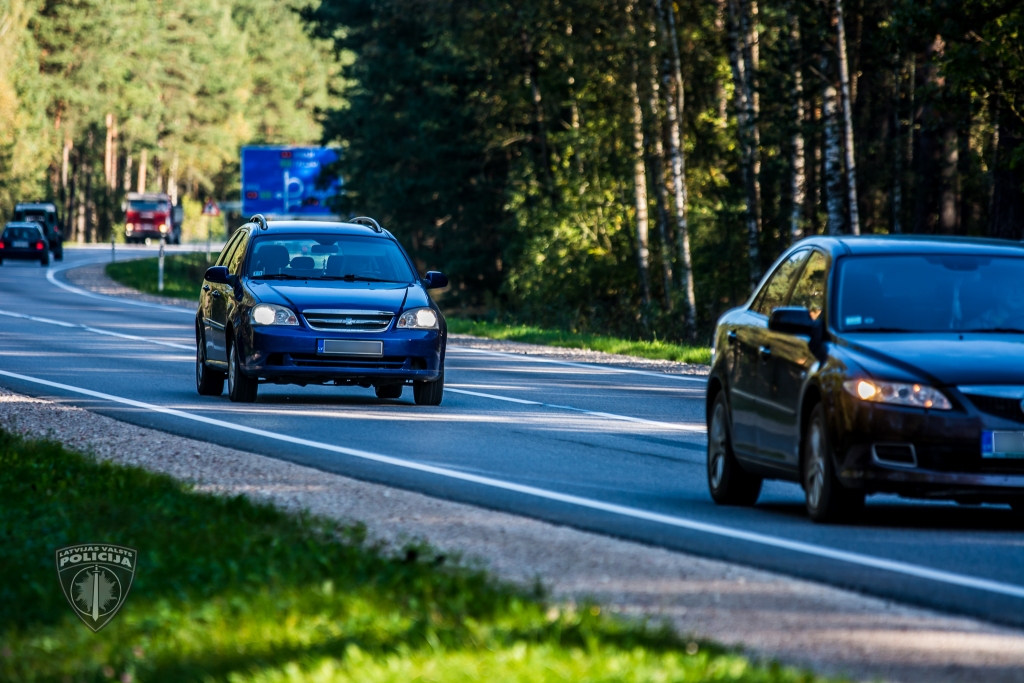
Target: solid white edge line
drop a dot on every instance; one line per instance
(595, 413)
(96, 330)
(585, 366)
(52, 271)
(858, 559)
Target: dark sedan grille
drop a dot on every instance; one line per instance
(337, 320)
(1007, 408)
(310, 360)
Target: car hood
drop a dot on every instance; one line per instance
(940, 358)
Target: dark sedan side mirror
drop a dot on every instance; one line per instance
(792, 320)
(435, 280)
(217, 275)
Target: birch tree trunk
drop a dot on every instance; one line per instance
(643, 253)
(798, 180)
(844, 80)
(658, 162)
(674, 99)
(833, 163)
(744, 103)
(142, 170)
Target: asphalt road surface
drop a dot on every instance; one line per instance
(604, 449)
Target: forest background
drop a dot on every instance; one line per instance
(628, 167)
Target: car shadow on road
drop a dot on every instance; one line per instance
(939, 515)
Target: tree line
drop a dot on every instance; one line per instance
(633, 166)
(102, 97)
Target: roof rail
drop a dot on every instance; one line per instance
(367, 221)
(259, 220)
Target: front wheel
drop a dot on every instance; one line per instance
(241, 389)
(728, 482)
(208, 382)
(826, 498)
(429, 393)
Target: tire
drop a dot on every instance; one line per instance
(209, 382)
(59, 255)
(429, 393)
(241, 389)
(728, 482)
(827, 500)
(44, 262)
(388, 390)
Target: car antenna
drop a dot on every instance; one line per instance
(366, 220)
(259, 220)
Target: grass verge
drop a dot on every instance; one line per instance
(535, 335)
(228, 590)
(183, 274)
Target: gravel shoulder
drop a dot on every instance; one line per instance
(768, 615)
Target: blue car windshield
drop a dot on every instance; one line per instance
(328, 257)
(930, 293)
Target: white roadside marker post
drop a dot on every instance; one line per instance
(160, 268)
(113, 254)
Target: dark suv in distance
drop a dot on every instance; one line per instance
(874, 364)
(45, 214)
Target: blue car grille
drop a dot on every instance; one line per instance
(343, 320)
(309, 360)
(1006, 408)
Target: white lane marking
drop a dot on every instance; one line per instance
(586, 366)
(96, 330)
(611, 416)
(50, 276)
(858, 559)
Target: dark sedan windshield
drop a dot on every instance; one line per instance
(329, 257)
(931, 293)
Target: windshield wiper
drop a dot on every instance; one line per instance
(880, 329)
(353, 278)
(996, 330)
(278, 276)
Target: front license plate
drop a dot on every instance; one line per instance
(345, 347)
(1006, 445)
(18, 244)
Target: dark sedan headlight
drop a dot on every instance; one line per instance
(418, 319)
(898, 394)
(272, 314)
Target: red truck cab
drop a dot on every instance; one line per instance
(150, 216)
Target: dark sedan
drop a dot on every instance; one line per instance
(292, 302)
(874, 364)
(24, 241)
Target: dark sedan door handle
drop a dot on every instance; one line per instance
(215, 293)
(206, 288)
(766, 352)
(731, 336)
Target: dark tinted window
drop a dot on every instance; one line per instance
(330, 257)
(930, 293)
(809, 291)
(228, 250)
(22, 234)
(776, 291)
(238, 254)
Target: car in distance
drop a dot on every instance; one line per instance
(296, 302)
(874, 364)
(44, 213)
(24, 240)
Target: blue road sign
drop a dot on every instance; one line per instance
(282, 181)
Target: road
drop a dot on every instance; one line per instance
(604, 449)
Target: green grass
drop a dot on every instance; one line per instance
(228, 590)
(596, 342)
(183, 274)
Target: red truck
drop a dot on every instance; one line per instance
(150, 216)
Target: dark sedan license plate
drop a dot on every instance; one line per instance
(345, 347)
(1004, 445)
(19, 244)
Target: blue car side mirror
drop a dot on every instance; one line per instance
(217, 275)
(435, 280)
(792, 320)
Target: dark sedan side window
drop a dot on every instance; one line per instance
(776, 291)
(228, 250)
(238, 256)
(810, 288)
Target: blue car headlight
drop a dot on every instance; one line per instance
(898, 393)
(272, 314)
(418, 319)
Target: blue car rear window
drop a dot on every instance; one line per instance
(328, 257)
(21, 234)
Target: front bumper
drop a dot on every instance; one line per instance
(288, 355)
(946, 453)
